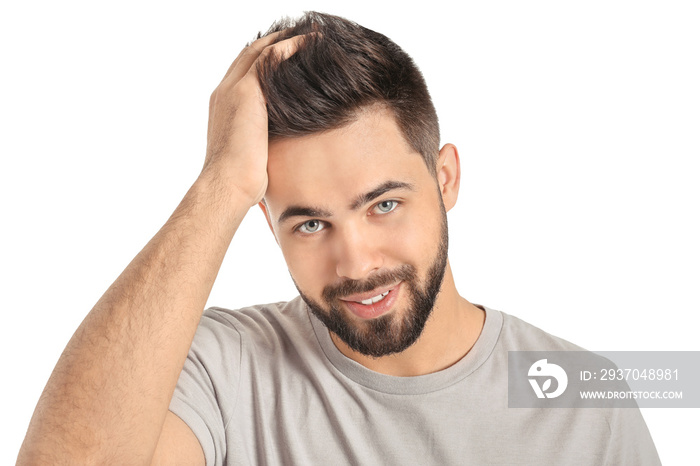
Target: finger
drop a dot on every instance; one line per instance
(282, 50)
(252, 50)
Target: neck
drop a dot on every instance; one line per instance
(451, 331)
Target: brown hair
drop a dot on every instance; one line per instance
(340, 71)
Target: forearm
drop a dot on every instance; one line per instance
(109, 393)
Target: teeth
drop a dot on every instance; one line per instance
(376, 299)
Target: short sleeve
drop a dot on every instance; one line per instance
(630, 440)
(207, 389)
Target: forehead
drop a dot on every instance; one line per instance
(334, 166)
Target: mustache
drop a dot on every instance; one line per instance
(349, 286)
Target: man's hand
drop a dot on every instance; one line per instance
(237, 133)
(107, 400)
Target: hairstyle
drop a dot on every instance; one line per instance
(339, 72)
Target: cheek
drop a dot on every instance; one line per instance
(308, 264)
(416, 238)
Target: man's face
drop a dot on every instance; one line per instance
(363, 229)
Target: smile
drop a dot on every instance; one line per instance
(375, 299)
(374, 303)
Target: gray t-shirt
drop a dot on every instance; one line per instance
(266, 385)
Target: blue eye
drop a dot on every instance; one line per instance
(385, 207)
(311, 226)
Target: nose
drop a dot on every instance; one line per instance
(357, 252)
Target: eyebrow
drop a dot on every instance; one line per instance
(359, 201)
(383, 188)
(301, 211)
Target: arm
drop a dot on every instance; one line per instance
(107, 399)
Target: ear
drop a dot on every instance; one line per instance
(448, 175)
(263, 207)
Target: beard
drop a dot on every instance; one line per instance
(396, 331)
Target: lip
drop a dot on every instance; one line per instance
(372, 311)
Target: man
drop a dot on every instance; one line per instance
(329, 128)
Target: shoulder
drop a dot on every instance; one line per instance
(259, 315)
(518, 335)
(261, 325)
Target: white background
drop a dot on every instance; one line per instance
(577, 125)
